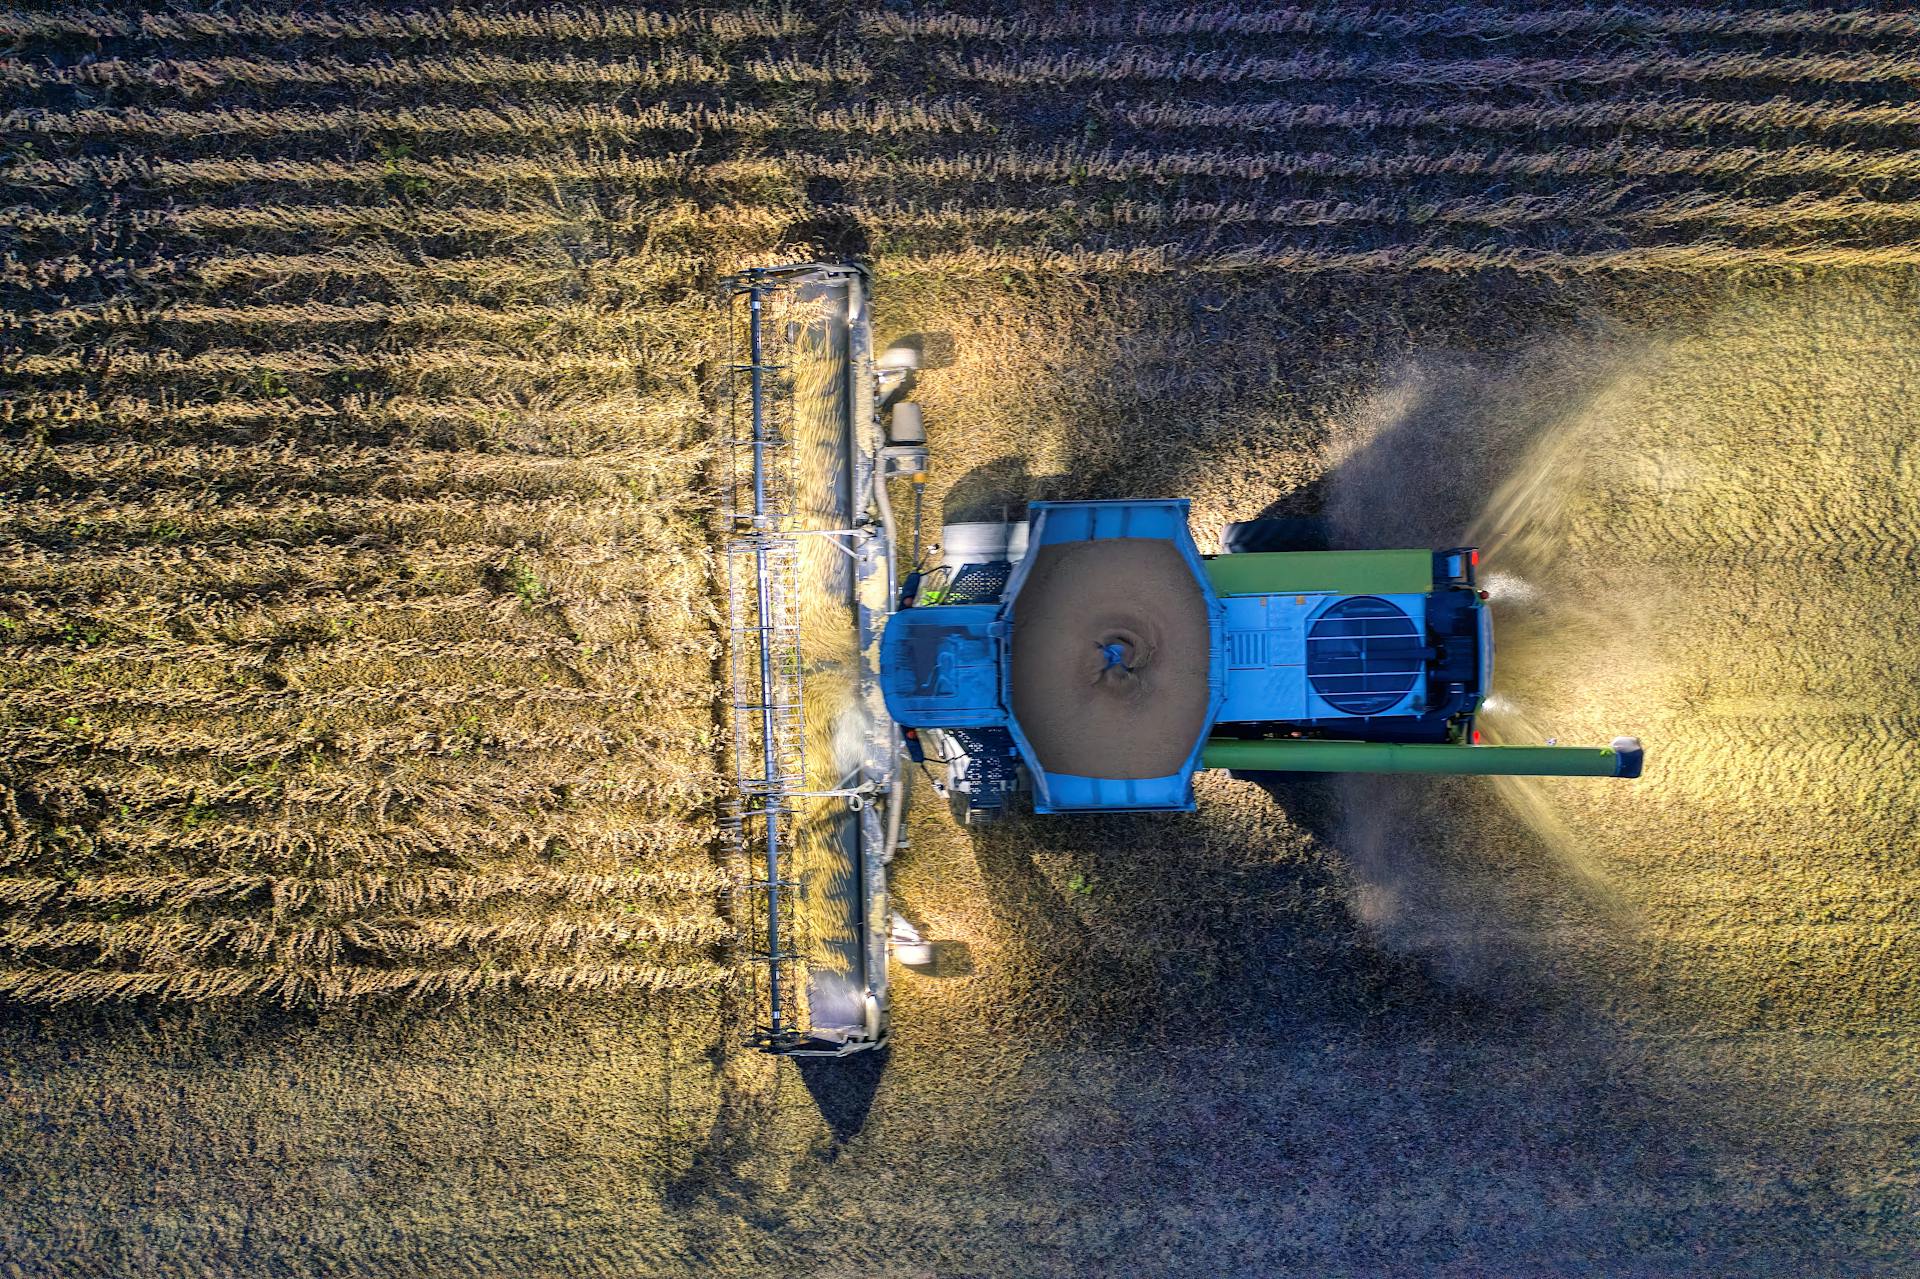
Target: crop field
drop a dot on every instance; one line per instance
(365, 901)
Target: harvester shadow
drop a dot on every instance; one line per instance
(830, 234)
(993, 491)
(933, 349)
(1157, 929)
(945, 957)
(1469, 909)
(843, 1089)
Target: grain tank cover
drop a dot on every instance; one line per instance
(1113, 655)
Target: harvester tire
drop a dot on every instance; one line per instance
(1276, 534)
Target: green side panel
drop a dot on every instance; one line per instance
(1310, 755)
(1309, 572)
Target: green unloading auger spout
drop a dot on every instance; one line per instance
(1319, 755)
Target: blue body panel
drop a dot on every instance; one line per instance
(1267, 674)
(941, 667)
(1163, 519)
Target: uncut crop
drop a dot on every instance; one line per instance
(360, 625)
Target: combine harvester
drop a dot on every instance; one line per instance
(1088, 656)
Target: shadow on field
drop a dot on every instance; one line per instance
(831, 234)
(994, 491)
(843, 1088)
(1417, 460)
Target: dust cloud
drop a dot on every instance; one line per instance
(1702, 538)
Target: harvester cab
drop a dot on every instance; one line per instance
(1087, 656)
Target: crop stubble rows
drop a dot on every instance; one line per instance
(354, 430)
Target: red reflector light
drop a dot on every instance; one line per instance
(1473, 557)
(1476, 737)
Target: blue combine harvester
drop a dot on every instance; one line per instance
(1094, 657)
(1088, 656)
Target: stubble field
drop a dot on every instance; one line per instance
(364, 903)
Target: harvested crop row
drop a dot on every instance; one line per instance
(551, 323)
(354, 22)
(448, 518)
(1144, 63)
(264, 468)
(594, 841)
(463, 788)
(318, 654)
(1656, 114)
(510, 120)
(322, 611)
(38, 747)
(620, 280)
(1113, 65)
(1058, 163)
(1160, 259)
(221, 940)
(601, 24)
(296, 986)
(359, 893)
(198, 75)
(1388, 22)
(523, 420)
(413, 695)
(1597, 204)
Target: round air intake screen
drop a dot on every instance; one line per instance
(1364, 655)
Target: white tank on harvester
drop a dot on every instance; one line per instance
(1088, 657)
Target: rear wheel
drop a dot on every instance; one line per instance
(1278, 534)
